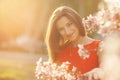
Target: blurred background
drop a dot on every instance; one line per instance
(23, 25)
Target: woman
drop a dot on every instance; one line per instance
(67, 40)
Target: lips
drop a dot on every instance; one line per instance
(69, 36)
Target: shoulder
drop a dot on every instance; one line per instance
(97, 41)
(94, 44)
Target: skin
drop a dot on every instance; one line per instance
(68, 30)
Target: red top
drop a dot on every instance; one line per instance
(83, 65)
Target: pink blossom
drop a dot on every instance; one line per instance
(51, 71)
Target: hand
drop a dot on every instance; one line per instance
(95, 74)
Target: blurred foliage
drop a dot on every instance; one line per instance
(16, 71)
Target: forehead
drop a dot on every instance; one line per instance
(62, 21)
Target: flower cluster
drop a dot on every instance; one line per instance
(51, 71)
(91, 25)
(105, 20)
(109, 21)
(82, 52)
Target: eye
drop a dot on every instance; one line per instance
(69, 24)
(60, 29)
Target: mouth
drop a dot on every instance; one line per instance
(70, 36)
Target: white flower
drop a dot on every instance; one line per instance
(74, 69)
(46, 70)
(82, 52)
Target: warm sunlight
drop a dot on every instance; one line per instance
(23, 29)
(18, 16)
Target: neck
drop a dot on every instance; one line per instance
(79, 40)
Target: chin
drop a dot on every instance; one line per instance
(72, 40)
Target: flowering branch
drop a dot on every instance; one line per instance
(46, 70)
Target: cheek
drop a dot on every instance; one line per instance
(62, 33)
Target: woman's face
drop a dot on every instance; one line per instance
(67, 29)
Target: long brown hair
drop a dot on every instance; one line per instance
(53, 38)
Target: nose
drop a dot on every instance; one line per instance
(67, 31)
